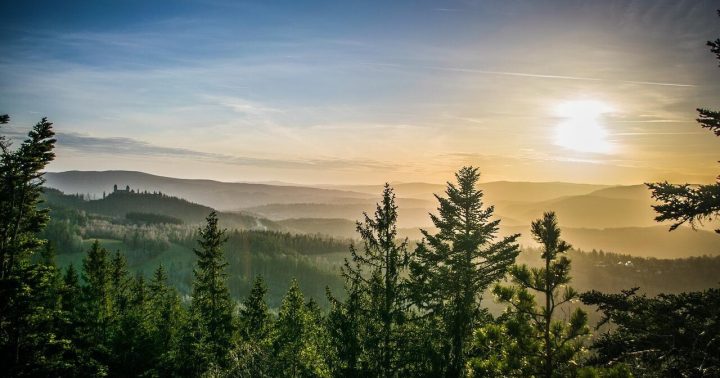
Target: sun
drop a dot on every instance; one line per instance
(581, 127)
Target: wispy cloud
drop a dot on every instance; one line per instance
(525, 74)
(119, 146)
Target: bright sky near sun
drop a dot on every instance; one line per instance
(366, 92)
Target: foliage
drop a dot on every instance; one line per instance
(28, 290)
(145, 218)
(210, 329)
(670, 335)
(550, 346)
(298, 345)
(687, 203)
(450, 270)
(376, 271)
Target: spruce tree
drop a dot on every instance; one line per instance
(120, 282)
(451, 269)
(25, 327)
(346, 329)
(686, 203)
(560, 339)
(377, 270)
(133, 354)
(297, 347)
(164, 319)
(211, 329)
(252, 357)
(95, 315)
(255, 317)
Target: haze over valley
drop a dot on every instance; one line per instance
(616, 219)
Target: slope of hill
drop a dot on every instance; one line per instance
(216, 194)
(494, 191)
(655, 241)
(407, 216)
(119, 204)
(334, 227)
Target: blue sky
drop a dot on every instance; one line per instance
(325, 92)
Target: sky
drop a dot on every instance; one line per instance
(340, 92)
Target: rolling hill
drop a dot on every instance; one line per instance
(611, 218)
(120, 204)
(216, 194)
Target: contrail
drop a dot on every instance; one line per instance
(527, 74)
(655, 83)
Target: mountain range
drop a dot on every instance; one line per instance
(603, 217)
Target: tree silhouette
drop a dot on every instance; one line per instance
(451, 269)
(687, 203)
(376, 270)
(560, 340)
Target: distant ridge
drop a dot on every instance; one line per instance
(216, 194)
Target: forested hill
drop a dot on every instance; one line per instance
(119, 204)
(219, 195)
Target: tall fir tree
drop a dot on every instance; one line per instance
(211, 329)
(255, 317)
(377, 270)
(24, 325)
(96, 311)
(253, 356)
(297, 347)
(560, 339)
(165, 314)
(451, 269)
(133, 354)
(346, 329)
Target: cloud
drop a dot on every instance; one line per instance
(116, 146)
(526, 74)
(244, 106)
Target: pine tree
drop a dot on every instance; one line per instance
(687, 203)
(24, 324)
(119, 284)
(560, 340)
(96, 310)
(255, 317)
(133, 354)
(668, 335)
(210, 331)
(164, 314)
(297, 349)
(252, 356)
(72, 327)
(451, 269)
(21, 182)
(346, 328)
(377, 271)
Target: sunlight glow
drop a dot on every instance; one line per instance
(581, 128)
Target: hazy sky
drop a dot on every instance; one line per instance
(365, 92)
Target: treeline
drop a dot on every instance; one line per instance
(148, 208)
(151, 218)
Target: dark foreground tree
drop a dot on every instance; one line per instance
(451, 269)
(551, 345)
(671, 335)
(298, 340)
(28, 341)
(376, 270)
(252, 356)
(208, 335)
(685, 203)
